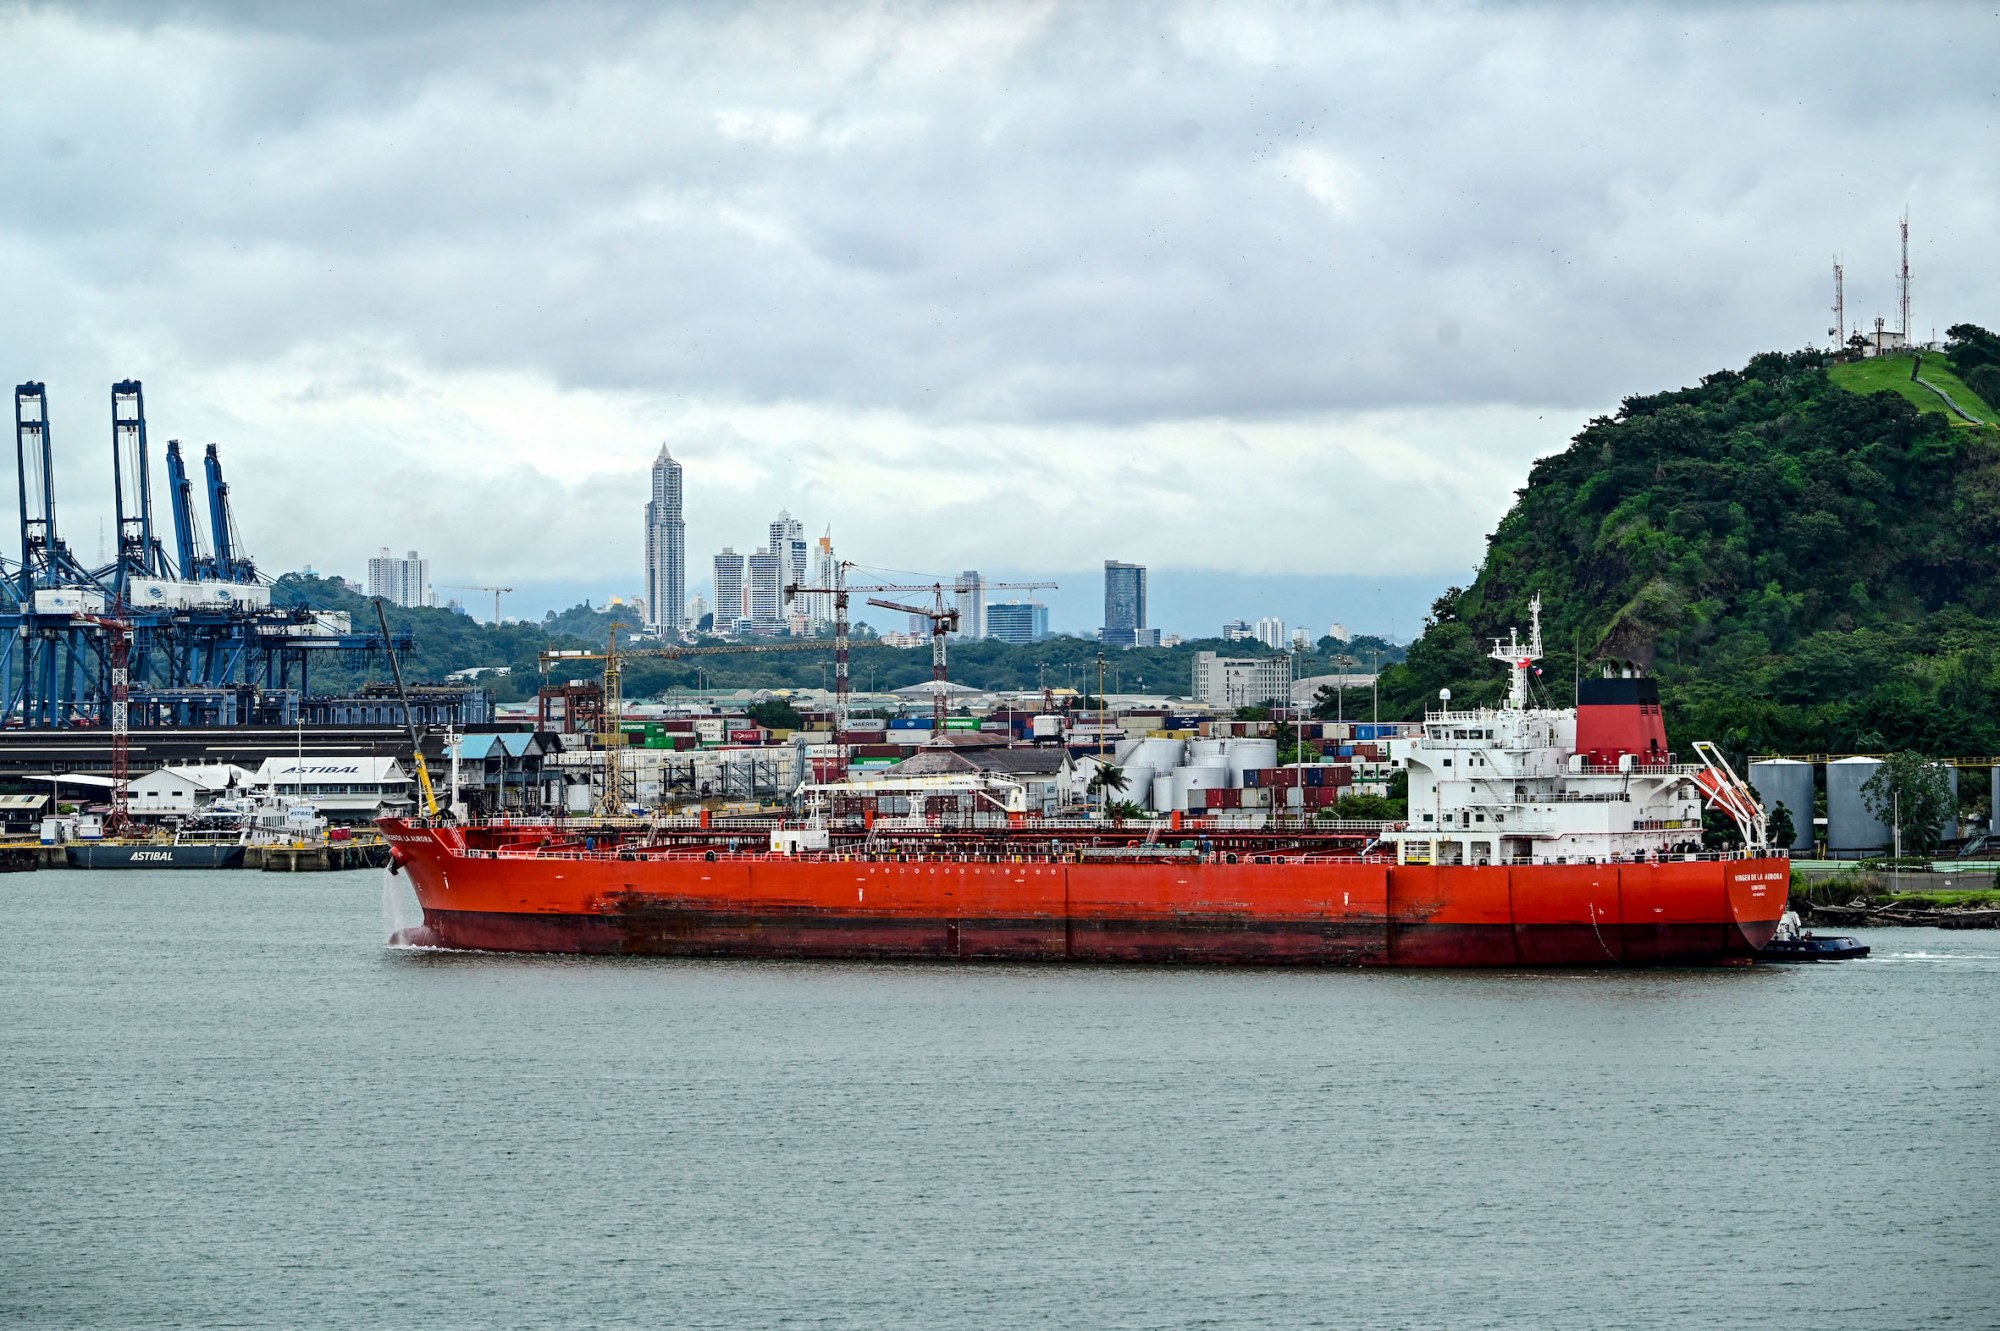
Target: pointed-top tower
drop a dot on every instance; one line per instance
(666, 549)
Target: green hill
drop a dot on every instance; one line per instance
(1806, 568)
(1893, 374)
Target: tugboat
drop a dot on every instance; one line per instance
(1791, 943)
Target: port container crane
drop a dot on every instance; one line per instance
(140, 553)
(195, 562)
(231, 564)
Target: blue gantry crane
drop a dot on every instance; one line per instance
(205, 644)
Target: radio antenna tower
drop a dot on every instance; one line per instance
(1903, 277)
(1839, 329)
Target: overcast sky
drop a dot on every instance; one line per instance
(1233, 289)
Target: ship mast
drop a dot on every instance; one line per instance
(1520, 656)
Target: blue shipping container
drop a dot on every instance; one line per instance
(909, 723)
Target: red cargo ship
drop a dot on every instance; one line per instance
(1536, 836)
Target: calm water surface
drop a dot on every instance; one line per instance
(223, 1102)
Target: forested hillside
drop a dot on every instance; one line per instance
(1806, 569)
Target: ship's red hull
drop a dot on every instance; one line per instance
(1288, 911)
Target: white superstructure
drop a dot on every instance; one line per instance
(1513, 784)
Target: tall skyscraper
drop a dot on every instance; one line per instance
(826, 573)
(971, 604)
(728, 589)
(1017, 621)
(788, 543)
(766, 572)
(1124, 603)
(401, 581)
(1271, 632)
(666, 549)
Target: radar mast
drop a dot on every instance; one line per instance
(1520, 656)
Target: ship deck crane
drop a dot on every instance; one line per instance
(498, 592)
(611, 737)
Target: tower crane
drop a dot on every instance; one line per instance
(497, 593)
(839, 591)
(611, 737)
(942, 621)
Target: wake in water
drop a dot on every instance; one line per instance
(402, 917)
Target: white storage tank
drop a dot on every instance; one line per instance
(1191, 780)
(1162, 755)
(1851, 827)
(1138, 785)
(1789, 782)
(1207, 748)
(1249, 755)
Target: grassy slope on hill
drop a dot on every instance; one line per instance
(1892, 374)
(1805, 568)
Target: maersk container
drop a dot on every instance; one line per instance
(1851, 827)
(1789, 782)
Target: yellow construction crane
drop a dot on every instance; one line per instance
(457, 587)
(611, 738)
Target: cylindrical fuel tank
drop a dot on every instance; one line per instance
(1850, 825)
(1162, 755)
(1190, 781)
(1138, 785)
(1789, 782)
(1249, 755)
(1206, 748)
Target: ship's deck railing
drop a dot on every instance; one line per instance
(1212, 821)
(1091, 855)
(1679, 857)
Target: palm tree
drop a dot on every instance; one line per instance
(1108, 779)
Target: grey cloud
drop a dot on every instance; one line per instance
(1012, 228)
(790, 204)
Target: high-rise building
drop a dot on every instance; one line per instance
(1250, 681)
(1124, 603)
(1271, 632)
(1017, 621)
(766, 572)
(729, 589)
(1238, 630)
(971, 590)
(788, 543)
(666, 548)
(1337, 631)
(697, 610)
(826, 573)
(401, 581)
